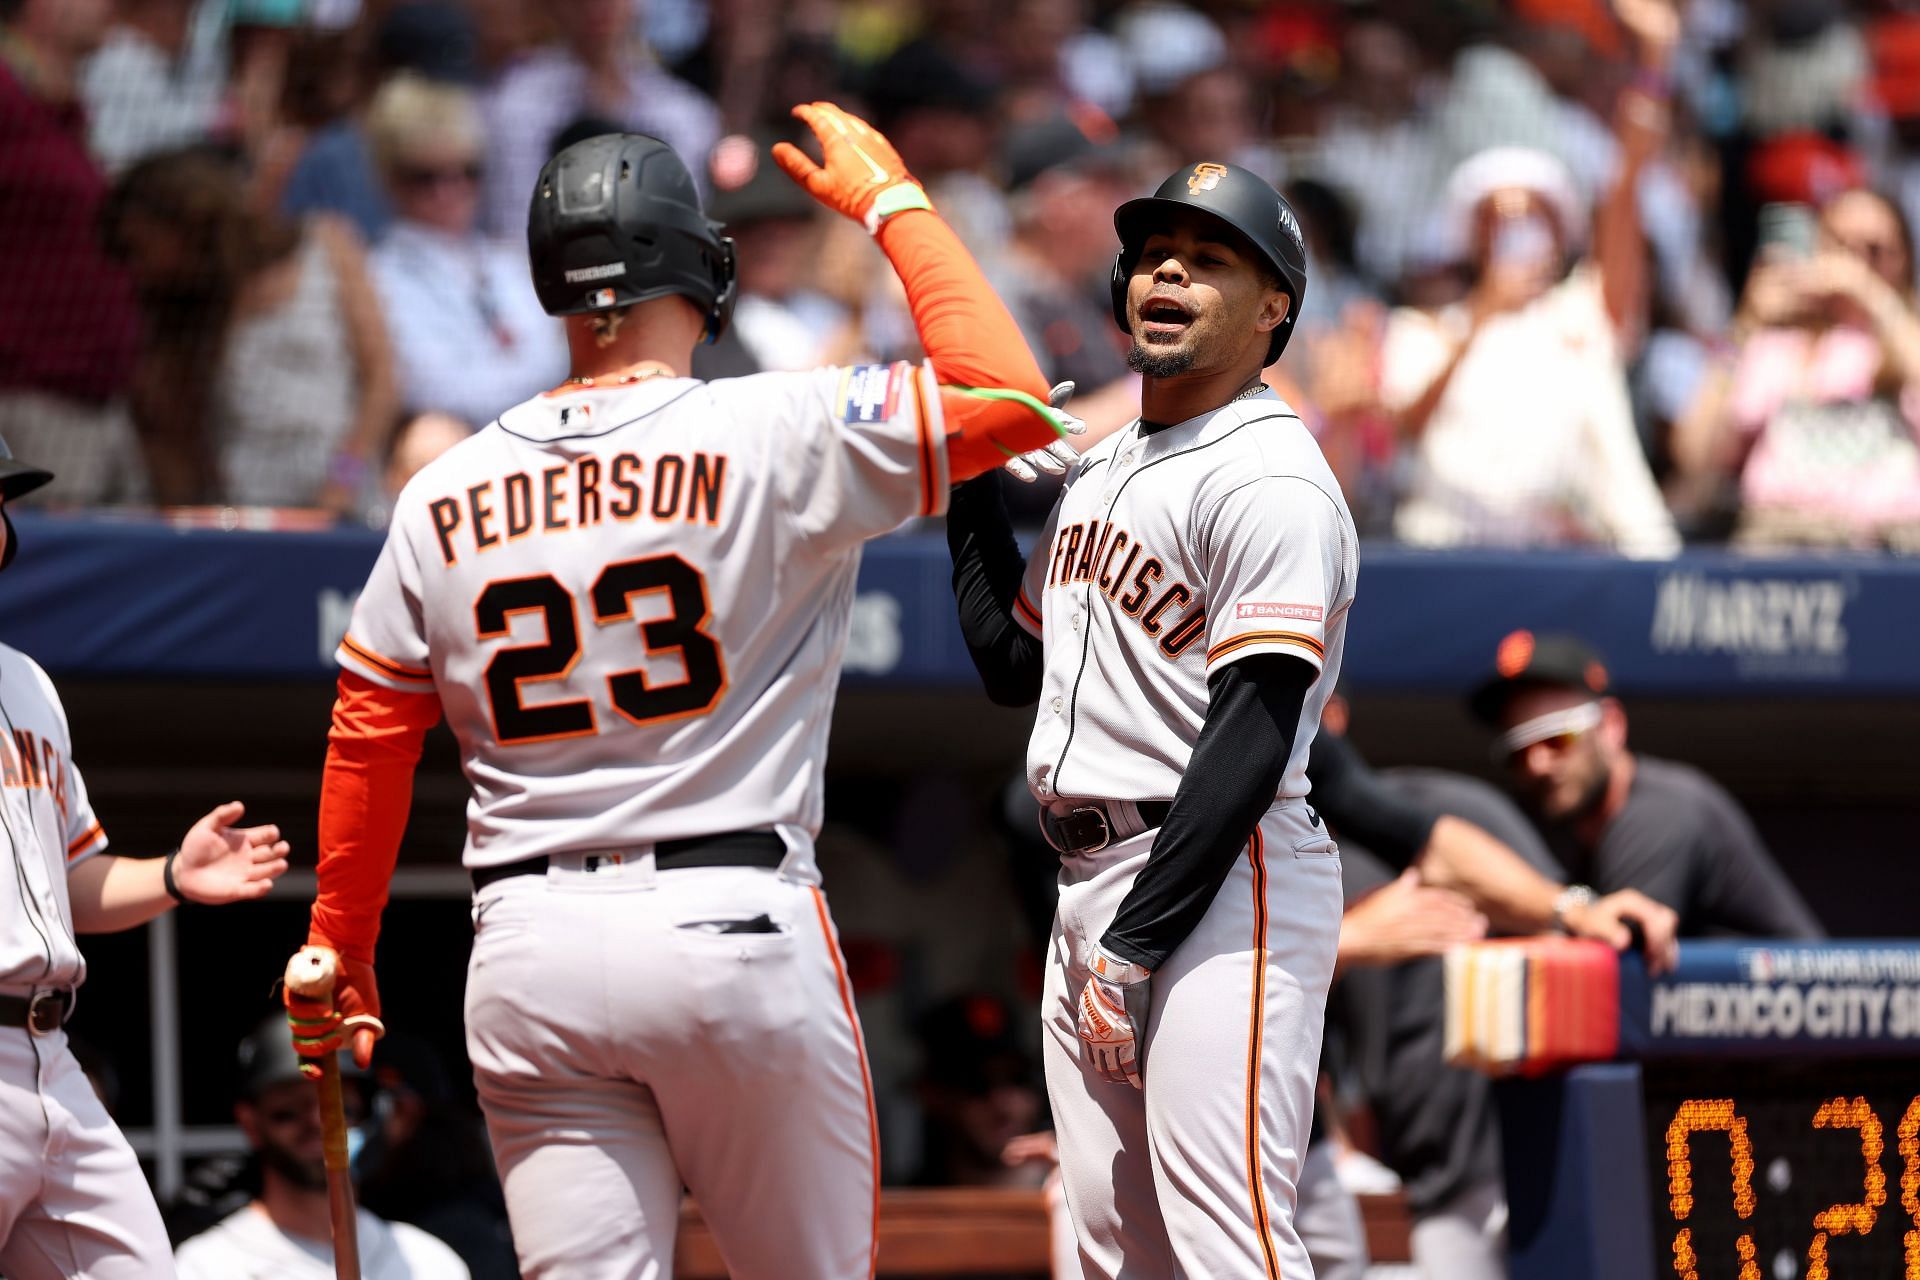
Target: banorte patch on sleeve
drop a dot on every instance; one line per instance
(871, 392)
(1274, 609)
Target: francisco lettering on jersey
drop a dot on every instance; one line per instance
(34, 763)
(1130, 575)
(580, 494)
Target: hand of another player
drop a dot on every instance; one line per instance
(1108, 1027)
(1606, 919)
(219, 862)
(1058, 456)
(858, 167)
(1407, 920)
(321, 1030)
(1031, 1148)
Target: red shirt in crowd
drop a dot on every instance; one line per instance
(67, 319)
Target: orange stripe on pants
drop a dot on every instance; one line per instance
(866, 1076)
(1256, 1183)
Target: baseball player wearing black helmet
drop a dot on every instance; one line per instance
(616, 220)
(1180, 624)
(629, 596)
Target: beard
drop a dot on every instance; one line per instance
(308, 1175)
(1152, 363)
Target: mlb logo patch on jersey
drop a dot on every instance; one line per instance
(870, 392)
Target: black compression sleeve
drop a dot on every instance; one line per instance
(1363, 806)
(1239, 760)
(987, 570)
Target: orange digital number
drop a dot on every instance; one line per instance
(1856, 1218)
(1709, 1115)
(1909, 1137)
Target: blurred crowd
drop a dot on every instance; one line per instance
(1622, 273)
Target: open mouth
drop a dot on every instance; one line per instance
(1163, 319)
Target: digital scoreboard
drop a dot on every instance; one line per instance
(1773, 1171)
(1762, 1123)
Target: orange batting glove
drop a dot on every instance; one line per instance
(321, 1030)
(862, 175)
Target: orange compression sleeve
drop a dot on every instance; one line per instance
(372, 749)
(971, 342)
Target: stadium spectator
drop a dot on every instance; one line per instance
(335, 172)
(1620, 820)
(1514, 402)
(782, 320)
(420, 440)
(978, 1091)
(1818, 411)
(285, 1232)
(1376, 146)
(156, 81)
(938, 111)
(270, 378)
(469, 336)
(599, 66)
(1066, 174)
(68, 325)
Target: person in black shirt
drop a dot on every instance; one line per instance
(1619, 820)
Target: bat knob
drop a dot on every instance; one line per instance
(312, 972)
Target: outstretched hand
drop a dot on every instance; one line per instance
(219, 862)
(860, 174)
(1606, 919)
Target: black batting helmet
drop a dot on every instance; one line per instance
(616, 220)
(1242, 200)
(17, 479)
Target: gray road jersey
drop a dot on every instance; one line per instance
(49, 828)
(633, 601)
(1166, 556)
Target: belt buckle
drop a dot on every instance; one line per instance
(1106, 828)
(45, 1013)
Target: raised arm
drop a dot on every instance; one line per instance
(993, 396)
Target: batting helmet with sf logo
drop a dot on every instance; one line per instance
(1246, 204)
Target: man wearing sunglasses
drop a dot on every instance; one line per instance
(1618, 820)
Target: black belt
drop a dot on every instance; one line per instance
(41, 1013)
(1087, 829)
(728, 849)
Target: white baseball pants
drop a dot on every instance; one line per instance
(73, 1202)
(623, 1045)
(1193, 1176)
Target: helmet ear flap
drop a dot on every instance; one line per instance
(1117, 286)
(725, 290)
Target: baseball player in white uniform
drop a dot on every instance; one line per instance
(629, 597)
(1180, 624)
(73, 1201)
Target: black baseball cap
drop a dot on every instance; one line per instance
(1081, 140)
(267, 1058)
(18, 479)
(1524, 660)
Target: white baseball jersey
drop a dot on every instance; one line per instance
(633, 600)
(246, 1245)
(1167, 555)
(48, 826)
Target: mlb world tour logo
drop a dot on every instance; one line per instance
(1796, 624)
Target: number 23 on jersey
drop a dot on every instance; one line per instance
(611, 599)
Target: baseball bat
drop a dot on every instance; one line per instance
(311, 975)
